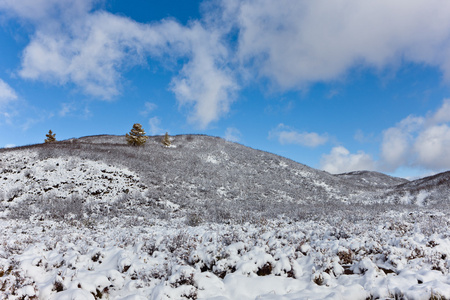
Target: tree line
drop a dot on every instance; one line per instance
(136, 137)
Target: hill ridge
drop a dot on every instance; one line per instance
(198, 171)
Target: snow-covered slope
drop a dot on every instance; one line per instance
(94, 218)
(28, 180)
(197, 168)
(24, 175)
(376, 179)
(431, 190)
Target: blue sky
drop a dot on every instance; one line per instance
(336, 85)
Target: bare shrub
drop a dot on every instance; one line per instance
(49, 207)
(194, 219)
(61, 208)
(318, 279)
(345, 257)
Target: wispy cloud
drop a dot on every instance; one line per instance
(66, 108)
(155, 128)
(361, 137)
(7, 93)
(30, 122)
(148, 108)
(74, 109)
(233, 134)
(5, 117)
(284, 106)
(287, 135)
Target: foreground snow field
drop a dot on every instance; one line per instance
(154, 259)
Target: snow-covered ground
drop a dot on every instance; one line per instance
(77, 228)
(155, 259)
(25, 175)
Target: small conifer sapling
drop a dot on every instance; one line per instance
(166, 140)
(137, 136)
(50, 137)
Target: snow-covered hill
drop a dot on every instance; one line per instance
(368, 178)
(196, 171)
(94, 218)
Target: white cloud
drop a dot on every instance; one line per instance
(155, 124)
(340, 160)
(442, 115)
(395, 148)
(7, 94)
(232, 134)
(91, 52)
(66, 108)
(287, 135)
(32, 121)
(74, 109)
(290, 43)
(205, 82)
(362, 137)
(148, 108)
(432, 147)
(294, 43)
(418, 142)
(10, 146)
(76, 43)
(44, 12)
(5, 117)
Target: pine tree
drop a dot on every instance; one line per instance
(166, 141)
(50, 137)
(136, 137)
